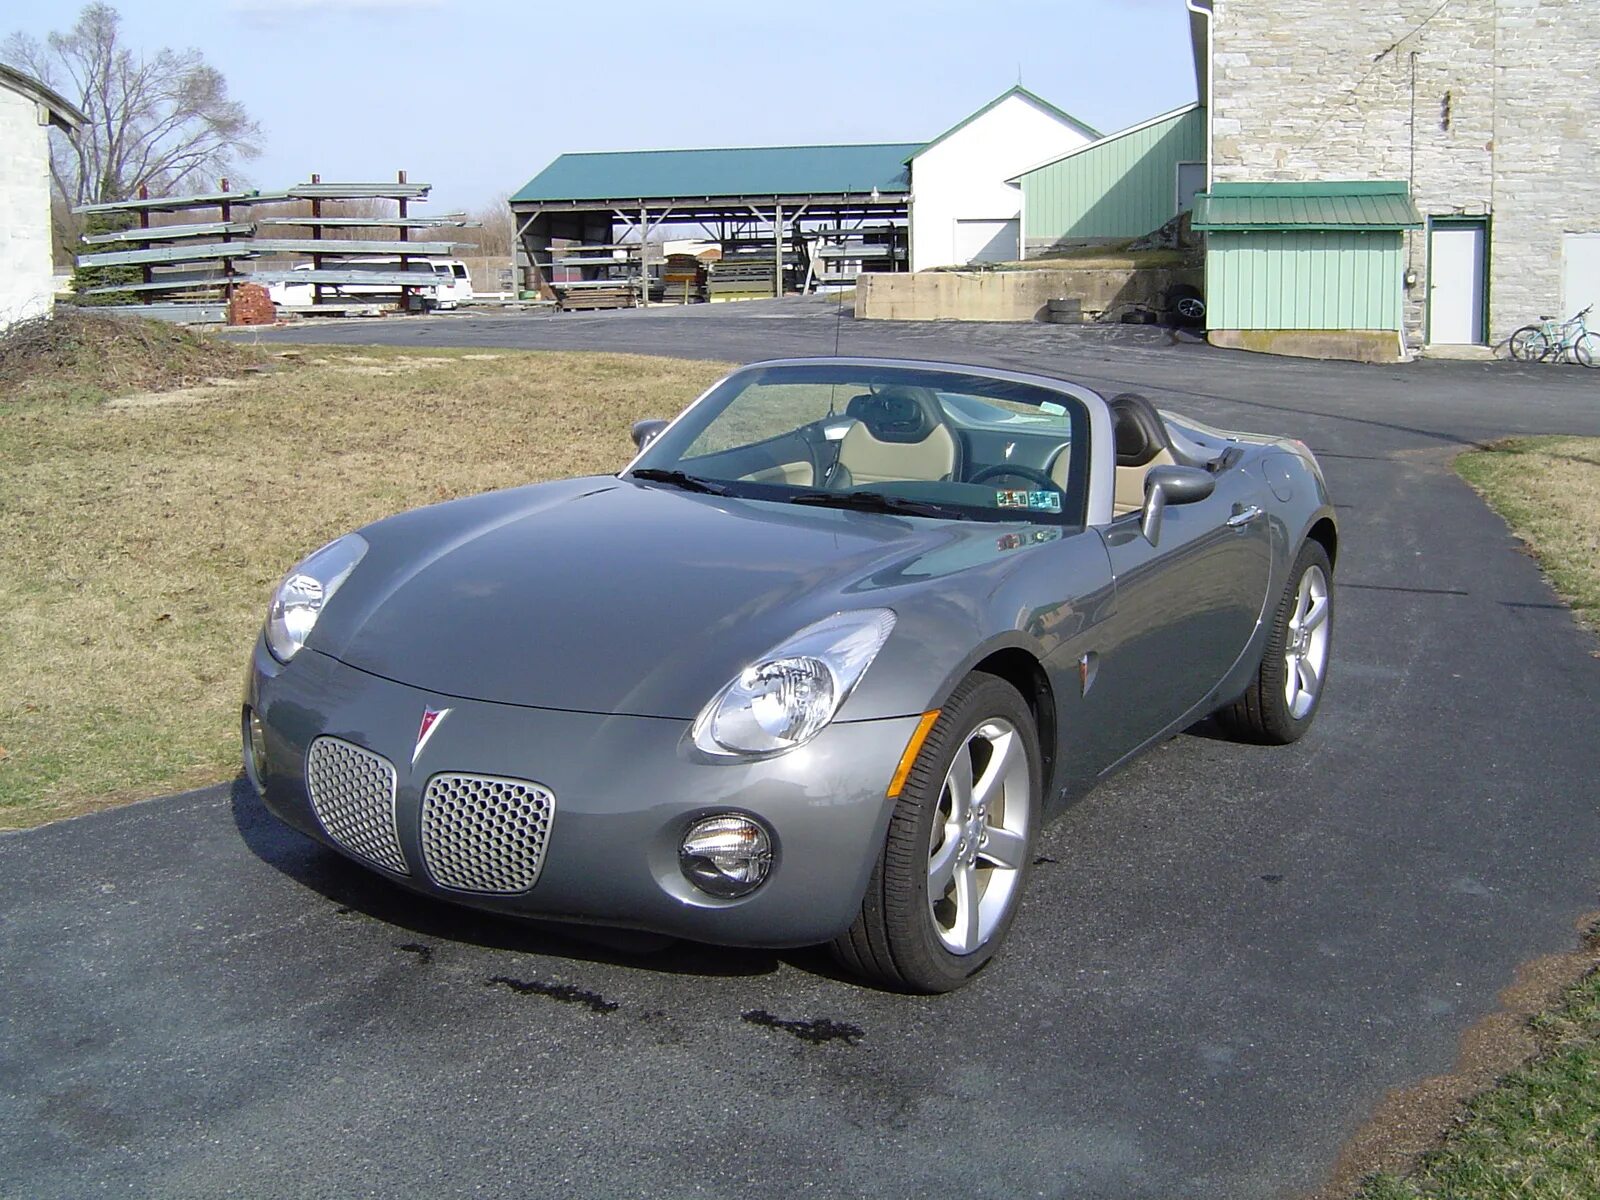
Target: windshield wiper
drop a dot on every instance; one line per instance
(875, 502)
(689, 483)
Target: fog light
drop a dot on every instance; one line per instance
(727, 855)
(255, 746)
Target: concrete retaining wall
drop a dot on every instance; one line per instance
(1011, 295)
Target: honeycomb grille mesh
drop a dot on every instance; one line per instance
(352, 793)
(481, 833)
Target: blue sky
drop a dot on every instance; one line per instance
(473, 96)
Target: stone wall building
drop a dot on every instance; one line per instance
(27, 111)
(1489, 110)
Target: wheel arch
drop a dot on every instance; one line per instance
(1023, 671)
(1326, 534)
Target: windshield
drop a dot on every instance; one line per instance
(908, 440)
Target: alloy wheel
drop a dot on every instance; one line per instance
(1305, 650)
(979, 841)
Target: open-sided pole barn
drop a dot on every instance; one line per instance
(603, 199)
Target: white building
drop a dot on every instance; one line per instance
(962, 208)
(27, 110)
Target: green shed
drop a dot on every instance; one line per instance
(1326, 256)
(1124, 185)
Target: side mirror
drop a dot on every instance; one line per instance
(646, 431)
(1171, 485)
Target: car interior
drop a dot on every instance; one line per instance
(972, 450)
(898, 434)
(903, 434)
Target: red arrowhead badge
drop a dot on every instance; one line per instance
(431, 719)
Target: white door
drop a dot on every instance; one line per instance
(1455, 284)
(988, 241)
(1580, 280)
(1191, 179)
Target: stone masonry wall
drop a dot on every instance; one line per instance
(1547, 151)
(1484, 106)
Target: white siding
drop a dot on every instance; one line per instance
(25, 268)
(1580, 274)
(963, 178)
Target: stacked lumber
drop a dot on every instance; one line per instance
(742, 278)
(683, 280)
(603, 293)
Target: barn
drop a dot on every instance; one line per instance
(789, 217)
(965, 207)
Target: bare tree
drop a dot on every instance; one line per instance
(499, 227)
(492, 231)
(164, 121)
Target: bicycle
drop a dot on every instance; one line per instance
(1566, 341)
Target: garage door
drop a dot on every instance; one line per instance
(1581, 273)
(988, 241)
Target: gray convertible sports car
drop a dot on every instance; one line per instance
(812, 668)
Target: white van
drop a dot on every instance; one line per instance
(442, 282)
(455, 281)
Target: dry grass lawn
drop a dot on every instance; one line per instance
(139, 536)
(1548, 490)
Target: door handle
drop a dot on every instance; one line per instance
(1243, 517)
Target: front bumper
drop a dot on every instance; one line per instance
(626, 789)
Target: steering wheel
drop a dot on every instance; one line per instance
(1031, 474)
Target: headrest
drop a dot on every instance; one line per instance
(893, 415)
(1139, 430)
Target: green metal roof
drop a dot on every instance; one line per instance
(618, 175)
(1037, 101)
(1349, 205)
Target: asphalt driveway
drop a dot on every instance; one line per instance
(1228, 954)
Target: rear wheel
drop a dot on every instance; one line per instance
(1528, 344)
(1282, 700)
(960, 843)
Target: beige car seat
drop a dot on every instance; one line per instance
(897, 435)
(1142, 442)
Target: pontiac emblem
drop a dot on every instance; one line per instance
(431, 719)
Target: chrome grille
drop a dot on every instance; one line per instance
(481, 833)
(352, 793)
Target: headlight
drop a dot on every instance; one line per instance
(299, 599)
(789, 695)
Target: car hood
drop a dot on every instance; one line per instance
(610, 596)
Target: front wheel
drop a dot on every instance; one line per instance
(960, 843)
(1583, 350)
(1283, 697)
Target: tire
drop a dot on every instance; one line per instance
(1187, 304)
(1281, 702)
(1583, 350)
(902, 939)
(1528, 344)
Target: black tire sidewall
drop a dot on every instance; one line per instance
(924, 961)
(1279, 722)
(1521, 338)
